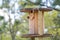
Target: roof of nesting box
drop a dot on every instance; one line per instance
(35, 9)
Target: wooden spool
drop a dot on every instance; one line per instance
(36, 22)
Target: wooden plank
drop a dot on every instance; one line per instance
(36, 23)
(35, 35)
(41, 23)
(31, 23)
(35, 9)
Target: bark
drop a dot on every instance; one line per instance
(13, 36)
(0, 36)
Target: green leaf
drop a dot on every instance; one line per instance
(1, 17)
(56, 2)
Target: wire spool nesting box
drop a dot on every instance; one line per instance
(36, 22)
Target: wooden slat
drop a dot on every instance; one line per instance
(35, 35)
(35, 9)
(41, 23)
(31, 23)
(36, 24)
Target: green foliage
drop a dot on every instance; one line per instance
(56, 20)
(51, 23)
(1, 17)
(5, 4)
(55, 29)
(56, 2)
(29, 3)
(49, 18)
(17, 22)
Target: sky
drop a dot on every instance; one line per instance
(0, 2)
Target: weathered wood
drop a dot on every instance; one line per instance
(35, 9)
(41, 22)
(33, 23)
(35, 35)
(36, 22)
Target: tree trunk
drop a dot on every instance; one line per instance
(13, 36)
(0, 36)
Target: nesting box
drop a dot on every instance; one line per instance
(36, 20)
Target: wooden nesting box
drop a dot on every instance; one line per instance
(36, 20)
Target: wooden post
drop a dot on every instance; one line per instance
(32, 38)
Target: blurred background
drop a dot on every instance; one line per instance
(14, 23)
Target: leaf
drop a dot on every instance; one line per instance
(1, 17)
(56, 2)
